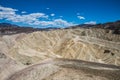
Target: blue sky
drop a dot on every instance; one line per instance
(58, 13)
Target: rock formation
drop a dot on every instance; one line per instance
(22, 53)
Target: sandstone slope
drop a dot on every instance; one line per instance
(21, 53)
(86, 44)
(64, 69)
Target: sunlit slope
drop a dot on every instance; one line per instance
(96, 45)
(65, 69)
(8, 66)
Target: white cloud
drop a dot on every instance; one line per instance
(62, 22)
(23, 12)
(7, 9)
(81, 17)
(28, 18)
(6, 12)
(54, 23)
(91, 22)
(33, 19)
(52, 14)
(10, 14)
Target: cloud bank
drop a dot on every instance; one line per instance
(91, 22)
(52, 14)
(32, 19)
(81, 17)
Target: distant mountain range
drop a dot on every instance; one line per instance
(115, 26)
(7, 28)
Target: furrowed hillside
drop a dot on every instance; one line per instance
(24, 48)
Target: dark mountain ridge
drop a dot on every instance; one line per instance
(7, 28)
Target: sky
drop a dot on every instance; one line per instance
(58, 13)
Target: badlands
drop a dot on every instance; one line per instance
(82, 52)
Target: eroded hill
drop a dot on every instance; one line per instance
(65, 69)
(86, 44)
(93, 44)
